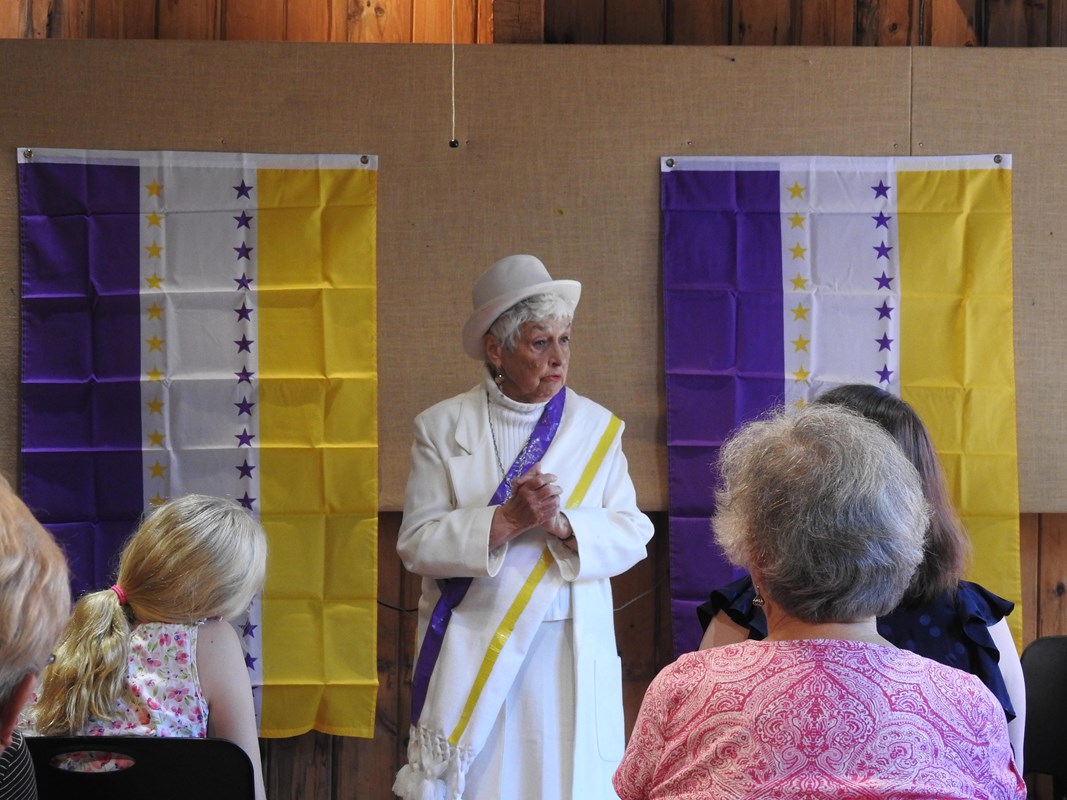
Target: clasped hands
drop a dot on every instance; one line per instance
(534, 502)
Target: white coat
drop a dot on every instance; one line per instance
(445, 533)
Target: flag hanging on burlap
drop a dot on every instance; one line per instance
(784, 277)
(205, 322)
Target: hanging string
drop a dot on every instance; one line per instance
(453, 142)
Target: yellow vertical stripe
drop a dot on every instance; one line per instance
(957, 359)
(316, 336)
(522, 599)
(595, 460)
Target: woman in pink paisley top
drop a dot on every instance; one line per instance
(153, 654)
(828, 516)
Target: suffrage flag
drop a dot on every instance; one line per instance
(205, 322)
(784, 277)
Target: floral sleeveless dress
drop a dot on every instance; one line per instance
(165, 696)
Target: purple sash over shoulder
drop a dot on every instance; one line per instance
(453, 590)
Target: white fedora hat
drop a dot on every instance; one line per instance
(503, 285)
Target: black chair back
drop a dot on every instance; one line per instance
(151, 768)
(1045, 671)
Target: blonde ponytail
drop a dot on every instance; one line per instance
(89, 674)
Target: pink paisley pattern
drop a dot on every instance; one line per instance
(165, 697)
(817, 720)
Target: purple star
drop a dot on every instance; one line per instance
(244, 344)
(881, 221)
(884, 281)
(244, 407)
(248, 630)
(244, 221)
(881, 190)
(243, 251)
(249, 661)
(884, 310)
(884, 342)
(244, 312)
(244, 376)
(245, 470)
(883, 374)
(244, 438)
(246, 501)
(243, 282)
(243, 190)
(883, 250)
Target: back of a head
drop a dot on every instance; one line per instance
(194, 557)
(828, 509)
(947, 544)
(34, 592)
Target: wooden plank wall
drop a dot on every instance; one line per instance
(320, 767)
(942, 23)
(359, 21)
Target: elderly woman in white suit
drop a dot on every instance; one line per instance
(518, 511)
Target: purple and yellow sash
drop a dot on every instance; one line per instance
(453, 590)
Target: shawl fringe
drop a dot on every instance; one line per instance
(436, 768)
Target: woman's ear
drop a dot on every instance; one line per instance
(492, 349)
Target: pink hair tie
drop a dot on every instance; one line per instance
(121, 594)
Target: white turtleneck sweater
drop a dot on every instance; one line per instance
(511, 423)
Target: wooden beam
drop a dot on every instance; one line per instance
(515, 21)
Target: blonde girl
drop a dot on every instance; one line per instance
(153, 654)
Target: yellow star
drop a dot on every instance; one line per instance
(801, 375)
(796, 191)
(154, 281)
(155, 343)
(158, 470)
(798, 251)
(155, 406)
(796, 221)
(157, 500)
(155, 374)
(154, 312)
(154, 219)
(799, 312)
(153, 250)
(801, 403)
(799, 283)
(155, 438)
(800, 344)
(155, 189)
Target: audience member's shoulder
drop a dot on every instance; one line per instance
(973, 599)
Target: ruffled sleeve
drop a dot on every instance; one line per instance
(979, 608)
(735, 600)
(954, 630)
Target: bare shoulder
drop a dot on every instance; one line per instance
(219, 656)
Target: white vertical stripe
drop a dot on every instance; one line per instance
(841, 276)
(199, 245)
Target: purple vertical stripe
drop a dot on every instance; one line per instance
(81, 357)
(722, 285)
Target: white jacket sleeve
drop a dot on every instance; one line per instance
(438, 540)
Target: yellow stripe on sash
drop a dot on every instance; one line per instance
(595, 460)
(518, 605)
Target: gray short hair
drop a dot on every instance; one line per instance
(827, 507)
(34, 593)
(536, 308)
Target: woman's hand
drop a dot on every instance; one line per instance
(560, 527)
(534, 503)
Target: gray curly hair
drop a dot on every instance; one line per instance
(825, 505)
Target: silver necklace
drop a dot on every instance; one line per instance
(523, 454)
